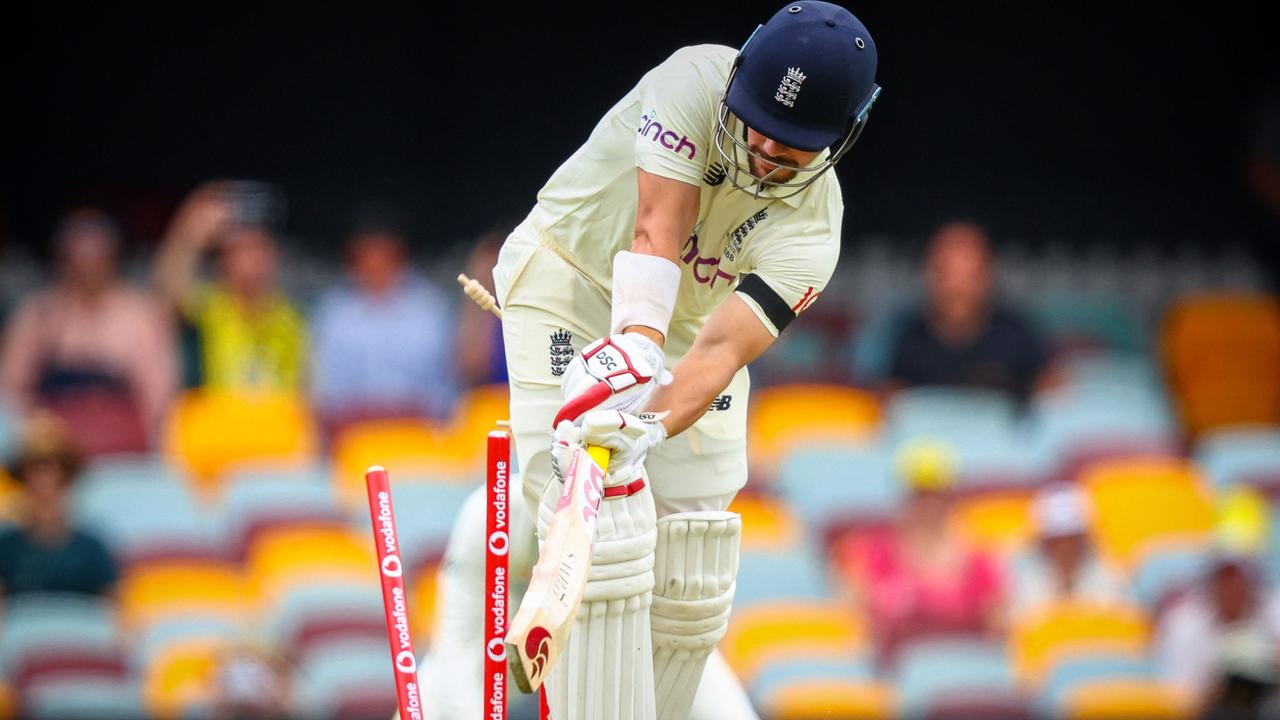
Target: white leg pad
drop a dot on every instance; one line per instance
(697, 562)
(605, 672)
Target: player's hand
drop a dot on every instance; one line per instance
(628, 437)
(630, 364)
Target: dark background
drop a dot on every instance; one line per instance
(1087, 123)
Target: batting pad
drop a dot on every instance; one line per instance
(697, 561)
(605, 670)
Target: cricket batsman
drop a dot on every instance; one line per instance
(696, 222)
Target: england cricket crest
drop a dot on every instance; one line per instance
(562, 351)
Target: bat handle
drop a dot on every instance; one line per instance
(479, 295)
(600, 455)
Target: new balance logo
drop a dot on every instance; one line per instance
(722, 402)
(715, 174)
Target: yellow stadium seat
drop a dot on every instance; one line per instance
(766, 523)
(210, 432)
(285, 557)
(842, 699)
(478, 412)
(1222, 353)
(423, 597)
(997, 521)
(152, 592)
(1140, 506)
(181, 679)
(10, 493)
(789, 416)
(1057, 632)
(1127, 700)
(791, 629)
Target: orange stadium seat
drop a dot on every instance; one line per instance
(789, 416)
(181, 681)
(767, 523)
(998, 521)
(407, 449)
(1222, 354)
(794, 628)
(423, 601)
(10, 491)
(826, 698)
(211, 432)
(1141, 506)
(1055, 633)
(477, 413)
(285, 557)
(1127, 700)
(154, 592)
(7, 709)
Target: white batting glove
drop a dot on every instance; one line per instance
(629, 364)
(628, 437)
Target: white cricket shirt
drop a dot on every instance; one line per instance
(778, 254)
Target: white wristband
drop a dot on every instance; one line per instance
(644, 291)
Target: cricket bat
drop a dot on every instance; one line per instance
(541, 626)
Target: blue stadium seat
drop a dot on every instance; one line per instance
(822, 483)
(1272, 560)
(425, 512)
(43, 624)
(1110, 370)
(148, 643)
(777, 673)
(940, 411)
(355, 606)
(83, 698)
(1075, 319)
(334, 675)
(254, 499)
(140, 507)
(930, 670)
(1162, 572)
(10, 431)
(1069, 674)
(780, 575)
(1240, 455)
(1063, 423)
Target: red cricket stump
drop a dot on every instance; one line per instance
(394, 599)
(497, 578)
(496, 566)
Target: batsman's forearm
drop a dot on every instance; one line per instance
(695, 384)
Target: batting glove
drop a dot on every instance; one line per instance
(628, 437)
(618, 372)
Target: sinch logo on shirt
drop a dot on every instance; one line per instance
(652, 129)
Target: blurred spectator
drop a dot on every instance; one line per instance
(46, 553)
(481, 357)
(91, 348)
(1064, 566)
(252, 682)
(382, 336)
(922, 578)
(250, 336)
(1222, 640)
(962, 334)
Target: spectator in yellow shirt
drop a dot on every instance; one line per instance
(250, 336)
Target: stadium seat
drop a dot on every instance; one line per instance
(477, 412)
(936, 411)
(788, 417)
(1141, 506)
(1076, 322)
(345, 680)
(1222, 354)
(10, 431)
(998, 521)
(310, 615)
(153, 641)
(765, 576)
(8, 703)
(143, 510)
(1049, 636)
(819, 699)
(424, 587)
(156, 592)
(780, 671)
(791, 630)
(1126, 700)
(256, 500)
(210, 433)
(38, 629)
(766, 522)
(1084, 373)
(83, 697)
(425, 513)
(10, 497)
(1069, 675)
(181, 680)
(285, 558)
(926, 671)
(1070, 425)
(1241, 455)
(823, 484)
(406, 448)
(1165, 571)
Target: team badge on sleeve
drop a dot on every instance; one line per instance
(562, 351)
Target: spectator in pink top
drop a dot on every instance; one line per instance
(91, 348)
(921, 578)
